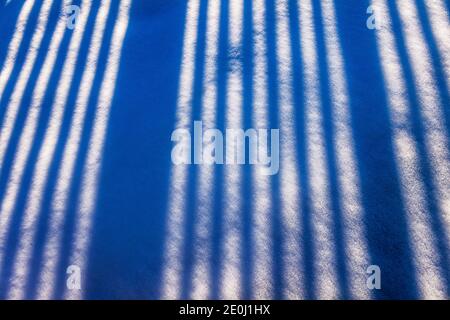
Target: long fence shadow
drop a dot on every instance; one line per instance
(57, 105)
(9, 27)
(133, 196)
(419, 127)
(384, 221)
(17, 91)
(332, 167)
(19, 50)
(80, 162)
(437, 60)
(384, 211)
(46, 207)
(43, 121)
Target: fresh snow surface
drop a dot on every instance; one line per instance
(92, 206)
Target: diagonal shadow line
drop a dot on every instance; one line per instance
(384, 217)
(329, 138)
(447, 4)
(65, 172)
(26, 73)
(12, 236)
(11, 17)
(20, 59)
(8, 28)
(418, 129)
(88, 206)
(139, 270)
(43, 122)
(23, 108)
(425, 255)
(45, 210)
(441, 79)
(196, 104)
(75, 189)
(42, 156)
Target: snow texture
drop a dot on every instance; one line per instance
(359, 89)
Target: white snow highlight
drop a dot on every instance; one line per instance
(426, 258)
(292, 262)
(92, 167)
(47, 276)
(28, 227)
(15, 44)
(26, 139)
(14, 103)
(262, 282)
(201, 278)
(172, 266)
(355, 246)
(322, 224)
(230, 278)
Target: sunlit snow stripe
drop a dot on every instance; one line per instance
(293, 276)
(202, 248)
(355, 244)
(26, 139)
(14, 45)
(13, 104)
(422, 242)
(92, 167)
(321, 218)
(440, 25)
(172, 266)
(47, 150)
(232, 220)
(262, 282)
(431, 108)
(28, 228)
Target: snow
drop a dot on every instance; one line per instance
(86, 177)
